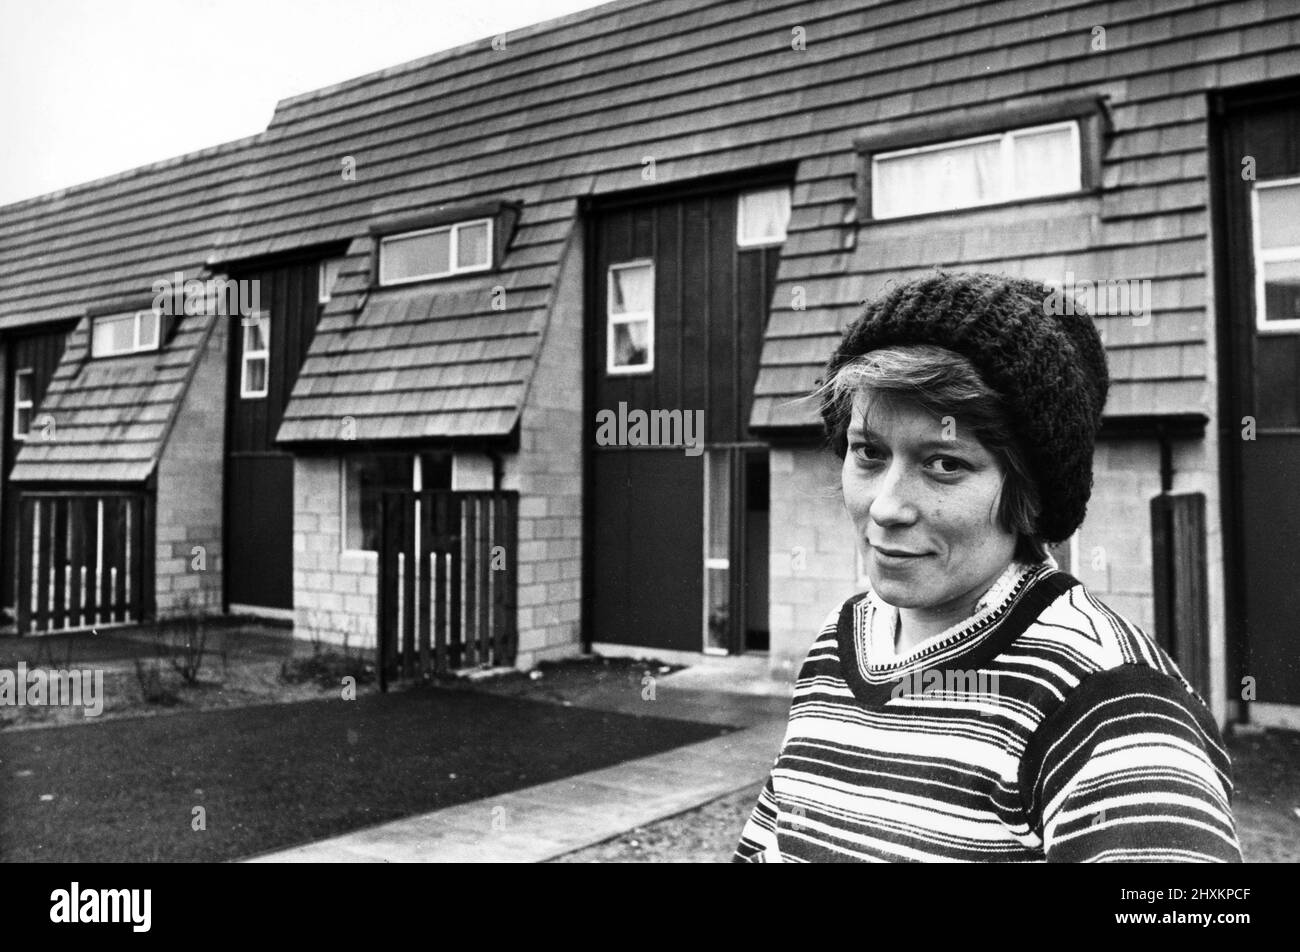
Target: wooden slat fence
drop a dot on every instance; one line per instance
(85, 560)
(1182, 613)
(447, 582)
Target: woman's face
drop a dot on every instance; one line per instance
(924, 500)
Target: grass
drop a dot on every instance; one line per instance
(274, 776)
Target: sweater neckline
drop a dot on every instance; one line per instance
(876, 638)
(1005, 611)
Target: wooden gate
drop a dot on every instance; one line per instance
(447, 581)
(1179, 570)
(85, 560)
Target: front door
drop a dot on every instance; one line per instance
(1260, 368)
(679, 294)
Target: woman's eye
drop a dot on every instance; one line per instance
(865, 451)
(948, 465)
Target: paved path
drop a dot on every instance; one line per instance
(547, 820)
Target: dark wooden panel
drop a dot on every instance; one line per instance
(649, 549)
(471, 638)
(723, 332)
(1179, 574)
(89, 519)
(1272, 565)
(259, 563)
(408, 587)
(669, 357)
(694, 296)
(39, 352)
(289, 293)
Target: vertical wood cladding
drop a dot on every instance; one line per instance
(38, 351)
(289, 293)
(711, 301)
(259, 487)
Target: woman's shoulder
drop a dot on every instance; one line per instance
(1084, 634)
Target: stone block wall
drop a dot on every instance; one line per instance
(188, 506)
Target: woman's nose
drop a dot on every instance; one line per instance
(892, 503)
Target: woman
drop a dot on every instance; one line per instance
(978, 704)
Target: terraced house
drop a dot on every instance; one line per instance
(674, 206)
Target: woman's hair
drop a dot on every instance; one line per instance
(943, 383)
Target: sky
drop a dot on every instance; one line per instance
(89, 88)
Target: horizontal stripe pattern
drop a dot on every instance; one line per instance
(1078, 741)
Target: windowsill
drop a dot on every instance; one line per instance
(368, 554)
(126, 353)
(432, 279)
(994, 206)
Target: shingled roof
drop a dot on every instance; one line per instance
(571, 108)
(76, 249)
(420, 361)
(112, 416)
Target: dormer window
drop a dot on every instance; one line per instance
(995, 154)
(986, 170)
(113, 335)
(23, 402)
(444, 251)
(326, 279)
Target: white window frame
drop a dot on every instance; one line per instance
(453, 252)
(740, 218)
(1006, 161)
(712, 563)
(1262, 257)
(137, 346)
(612, 320)
(322, 288)
(28, 404)
(246, 356)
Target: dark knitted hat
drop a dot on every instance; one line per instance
(1048, 368)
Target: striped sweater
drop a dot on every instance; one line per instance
(1045, 727)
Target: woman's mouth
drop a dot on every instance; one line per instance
(896, 556)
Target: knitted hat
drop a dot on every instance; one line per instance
(1048, 368)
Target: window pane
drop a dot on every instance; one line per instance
(257, 334)
(631, 344)
(472, 246)
(148, 329)
(632, 289)
(22, 386)
(329, 274)
(415, 256)
(22, 420)
(115, 335)
(763, 216)
(1045, 163)
(953, 177)
(1279, 216)
(255, 375)
(1281, 291)
(366, 478)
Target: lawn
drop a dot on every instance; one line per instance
(273, 776)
